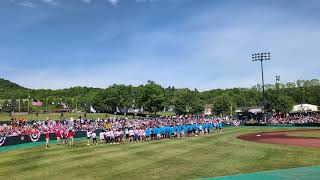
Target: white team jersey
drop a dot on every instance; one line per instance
(111, 134)
(101, 135)
(131, 133)
(93, 135)
(88, 134)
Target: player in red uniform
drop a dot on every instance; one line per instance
(65, 135)
(47, 138)
(70, 136)
(58, 136)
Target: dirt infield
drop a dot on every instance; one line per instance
(281, 137)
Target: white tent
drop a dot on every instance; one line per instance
(304, 107)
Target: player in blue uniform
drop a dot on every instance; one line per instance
(220, 126)
(148, 133)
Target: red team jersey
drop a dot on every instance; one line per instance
(58, 133)
(47, 135)
(70, 134)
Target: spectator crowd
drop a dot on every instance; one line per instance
(295, 119)
(129, 129)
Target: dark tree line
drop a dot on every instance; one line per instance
(154, 98)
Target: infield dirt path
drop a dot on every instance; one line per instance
(281, 137)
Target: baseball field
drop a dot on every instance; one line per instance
(206, 156)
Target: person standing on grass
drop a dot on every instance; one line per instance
(126, 131)
(65, 134)
(47, 138)
(211, 127)
(94, 137)
(58, 136)
(117, 136)
(111, 136)
(142, 134)
(148, 133)
(131, 135)
(220, 126)
(200, 127)
(158, 131)
(153, 133)
(70, 137)
(136, 135)
(123, 135)
(107, 136)
(171, 132)
(101, 137)
(182, 130)
(88, 137)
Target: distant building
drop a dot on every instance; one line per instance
(208, 109)
(304, 108)
(254, 110)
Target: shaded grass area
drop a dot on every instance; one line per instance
(304, 134)
(198, 157)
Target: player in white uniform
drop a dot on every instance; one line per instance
(94, 137)
(88, 136)
(101, 137)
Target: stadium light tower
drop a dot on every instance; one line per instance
(265, 56)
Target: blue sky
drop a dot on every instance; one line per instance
(203, 44)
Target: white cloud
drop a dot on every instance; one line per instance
(51, 2)
(26, 4)
(114, 2)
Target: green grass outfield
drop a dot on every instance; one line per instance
(191, 158)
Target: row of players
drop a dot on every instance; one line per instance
(147, 134)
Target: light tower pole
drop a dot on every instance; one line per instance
(265, 56)
(278, 91)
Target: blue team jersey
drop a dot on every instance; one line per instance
(171, 130)
(163, 130)
(211, 125)
(147, 132)
(179, 129)
(154, 130)
(195, 127)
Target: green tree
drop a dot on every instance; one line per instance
(153, 97)
(223, 104)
